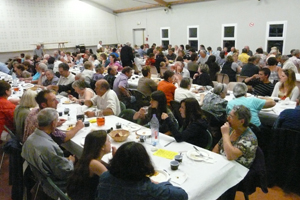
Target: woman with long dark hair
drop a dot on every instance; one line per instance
(213, 67)
(128, 177)
(158, 105)
(231, 69)
(194, 125)
(83, 182)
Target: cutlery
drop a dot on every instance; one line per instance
(166, 172)
(200, 154)
(169, 143)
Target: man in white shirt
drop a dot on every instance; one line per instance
(139, 62)
(181, 71)
(106, 100)
(295, 58)
(88, 72)
(202, 57)
(66, 77)
(93, 59)
(99, 45)
(183, 91)
(288, 64)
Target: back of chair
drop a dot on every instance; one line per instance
(223, 78)
(60, 193)
(175, 105)
(240, 78)
(128, 114)
(256, 177)
(210, 140)
(231, 85)
(122, 106)
(284, 160)
(141, 99)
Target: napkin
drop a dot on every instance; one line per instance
(178, 177)
(165, 154)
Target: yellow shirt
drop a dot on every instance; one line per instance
(243, 57)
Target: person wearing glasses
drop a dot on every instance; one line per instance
(238, 142)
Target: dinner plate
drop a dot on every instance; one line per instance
(178, 177)
(68, 102)
(27, 85)
(146, 132)
(160, 176)
(193, 155)
(133, 127)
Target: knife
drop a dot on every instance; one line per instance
(198, 151)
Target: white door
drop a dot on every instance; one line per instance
(138, 37)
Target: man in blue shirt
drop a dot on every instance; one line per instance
(289, 119)
(4, 68)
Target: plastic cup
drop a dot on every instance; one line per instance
(178, 158)
(100, 121)
(174, 165)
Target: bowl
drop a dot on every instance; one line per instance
(119, 135)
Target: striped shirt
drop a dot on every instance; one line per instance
(260, 88)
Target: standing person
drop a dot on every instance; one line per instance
(99, 45)
(38, 51)
(129, 172)
(84, 180)
(127, 55)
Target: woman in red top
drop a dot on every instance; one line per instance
(150, 60)
(167, 85)
(6, 107)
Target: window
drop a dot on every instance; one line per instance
(228, 36)
(193, 38)
(165, 36)
(275, 36)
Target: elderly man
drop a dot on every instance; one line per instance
(202, 57)
(181, 71)
(38, 51)
(249, 52)
(146, 85)
(51, 79)
(260, 83)
(295, 58)
(107, 101)
(46, 99)
(121, 86)
(250, 68)
(288, 64)
(42, 153)
(253, 103)
(183, 91)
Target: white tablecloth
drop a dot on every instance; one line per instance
(205, 181)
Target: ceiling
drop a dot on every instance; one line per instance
(119, 6)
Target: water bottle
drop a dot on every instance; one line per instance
(14, 78)
(154, 125)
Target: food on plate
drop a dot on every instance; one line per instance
(71, 126)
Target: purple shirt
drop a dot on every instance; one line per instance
(121, 80)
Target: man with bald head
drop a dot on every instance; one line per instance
(202, 57)
(106, 100)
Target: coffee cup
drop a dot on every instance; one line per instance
(174, 165)
(178, 158)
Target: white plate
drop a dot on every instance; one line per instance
(133, 127)
(178, 177)
(144, 131)
(193, 155)
(27, 85)
(162, 176)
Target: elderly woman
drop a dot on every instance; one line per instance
(253, 103)
(275, 70)
(6, 108)
(129, 172)
(286, 87)
(231, 69)
(202, 77)
(195, 125)
(22, 110)
(215, 102)
(40, 68)
(83, 92)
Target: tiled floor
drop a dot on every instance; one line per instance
(274, 193)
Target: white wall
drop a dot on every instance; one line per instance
(210, 15)
(26, 22)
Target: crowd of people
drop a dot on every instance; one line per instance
(103, 82)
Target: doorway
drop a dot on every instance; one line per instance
(138, 36)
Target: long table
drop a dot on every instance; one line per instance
(205, 180)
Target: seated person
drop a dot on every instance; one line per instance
(260, 83)
(214, 68)
(111, 76)
(66, 77)
(40, 68)
(231, 69)
(167, 85)
(88, 72)
(51, 79)
(215, 102)
(121, 86)
(131, 178)
(250, 68)
(41, 152)
(47, 99)
(139, 62)
(114, 63)
(195, 125)
(286, 87)
(183, 91)
(99, 73)
(106, 100)
(171, 55)
(84, 180)
(180, 71)
(146, 85)
(150, 60)
(289, 119)
(203, 77)
(6, 109)
(238, 141)
(84, 93)
(252, 103)
(158, 105)
(21, 72)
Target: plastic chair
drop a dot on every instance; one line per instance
(60, 193)
(256, 177)
(240, 78)
(122, 106)
(231, 85)
(175, 105)
(210, 140)
(128, 114)
(141, 99)
(223, 78)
